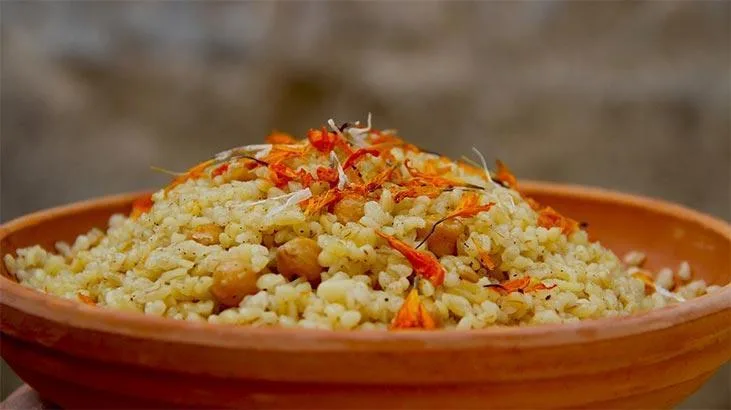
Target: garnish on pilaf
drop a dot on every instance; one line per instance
(348, 227)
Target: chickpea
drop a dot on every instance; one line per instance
(241, 173)
(469, 275)
(444, 239)
(298, 257)
(422, 232)
(498, 275)
(206, 234)
(349, 210)
(267, 240)
(232, 281)
(319, 187)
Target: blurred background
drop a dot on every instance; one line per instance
(624, 95)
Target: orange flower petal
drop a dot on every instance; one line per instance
(517, 284)
(425, 264)
(413, 314)
(357, 155)
(414, 192)
(523, 285)
(305, 177)
(220, 170)
(380, 178)
(325, 141)
(281, 153)
(437, 166)
(468, 207)
(193, 173)
(85, 299)
(388, 141)
(141, 206)
(549, 218)
(424, 178)
(486, 260)
(277, 137)
(282, 174)
(505, 175)
(328, 175)
(316, 204)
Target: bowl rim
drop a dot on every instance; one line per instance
(132, 324)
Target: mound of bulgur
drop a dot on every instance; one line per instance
(348, 228)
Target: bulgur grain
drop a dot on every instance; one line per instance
(237, 248)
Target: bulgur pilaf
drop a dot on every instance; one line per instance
(349, 228)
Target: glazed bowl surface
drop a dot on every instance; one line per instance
(77, 355)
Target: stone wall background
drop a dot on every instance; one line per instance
(625, 95)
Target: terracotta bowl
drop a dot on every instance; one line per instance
(81, 356)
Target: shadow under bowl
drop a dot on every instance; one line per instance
(82, 356)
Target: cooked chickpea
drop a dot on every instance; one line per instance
(498, 275)
(267, 240)
(469, 275)
(444, 239)
(206, 234)
(232, 281)
(422, 232)
(319, 187)
(241, 173)
(349, 210)
(298, 257)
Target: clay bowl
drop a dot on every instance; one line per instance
(81, 356)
